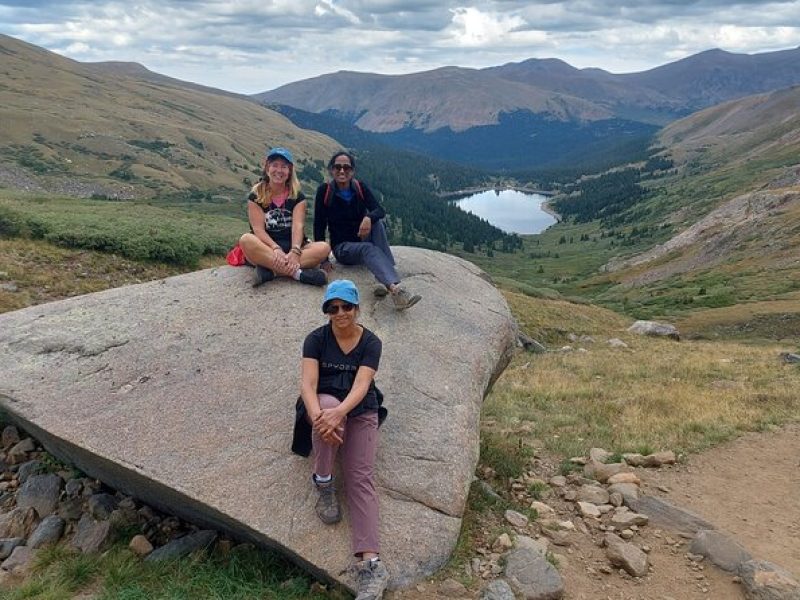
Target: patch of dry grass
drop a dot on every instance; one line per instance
(42, 272)
(658, 394)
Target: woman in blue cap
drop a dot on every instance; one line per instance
(276, 209)
(342, 408)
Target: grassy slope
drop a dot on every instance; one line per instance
(60, 118)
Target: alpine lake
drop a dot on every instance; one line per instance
(511, 210)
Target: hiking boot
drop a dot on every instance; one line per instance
(372, 578)
(313, 277)
(262, 275)
(380, 291)
(327, 505)
(403, 300)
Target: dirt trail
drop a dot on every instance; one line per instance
(749, 488)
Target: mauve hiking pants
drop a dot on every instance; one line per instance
(358, 461)
(374, 253)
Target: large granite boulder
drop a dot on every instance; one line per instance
(181, 392)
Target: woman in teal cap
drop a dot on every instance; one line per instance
(343, 409)
(276, 209)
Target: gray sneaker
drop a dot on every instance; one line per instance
(262, 276)
(403, 300)
(313, 277)
(327, 505)
(371, 579)
(380, 291)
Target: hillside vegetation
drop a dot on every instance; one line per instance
(84, 130)
(711, 221)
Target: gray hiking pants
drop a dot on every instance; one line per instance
(374, 252)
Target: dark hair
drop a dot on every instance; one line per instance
(341, 153)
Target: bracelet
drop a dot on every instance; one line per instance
(296, 250)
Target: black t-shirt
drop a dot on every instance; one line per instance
(278, 219)
(337, 370)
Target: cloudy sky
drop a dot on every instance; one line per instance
(255, 45)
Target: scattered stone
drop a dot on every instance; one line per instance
(91, 535)
(570, 495)
(628, 491)
(40, 492)
(617, 343)
(9, 286)
(539, 545)
(558, 537)
(26, 469)
(73, 487)
(541, 508)
(19, 561)
(516, 519)
(790, 357)
(498, 590)
(634, 460)
(489, 491)
(602, 471)
(452, 589)
(763, 580)
(184, 546)
(626, 556)
(593, 493)
(532, 576)
(615, 499)
(100, 506)
(7, 546)
(48, 532)
(140, 545)
(626, 534)
(624, 478)
(599, 455)
(654, 328)
(558, 481)
(19, 522)
(71, 509)
(660, 458)
(530, 344)
(578, 460)
(19, 451)
(623, 517)
(9, 437)
(720, 549)
(587, 509)
(502, 543)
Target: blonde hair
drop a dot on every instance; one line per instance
(264, 193)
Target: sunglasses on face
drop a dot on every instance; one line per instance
(345, 168)
(333, 309)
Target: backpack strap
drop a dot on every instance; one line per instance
(326, 199)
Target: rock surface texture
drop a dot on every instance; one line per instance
(181, 392)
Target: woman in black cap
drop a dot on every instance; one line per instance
(276, 209)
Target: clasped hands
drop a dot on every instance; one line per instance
(285, 264)
(330, 425)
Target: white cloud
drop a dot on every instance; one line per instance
(254, 45)
(471, 27)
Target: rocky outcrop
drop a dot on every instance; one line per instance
(181, 392)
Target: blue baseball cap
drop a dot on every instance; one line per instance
(341, 289)
(282, 153)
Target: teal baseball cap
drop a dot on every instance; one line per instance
(340, 289)
(282, 153)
